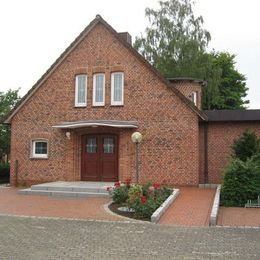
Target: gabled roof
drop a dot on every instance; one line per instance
(233, 115)
(73, 45)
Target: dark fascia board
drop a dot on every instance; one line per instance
(73, 45)
(233, 115)
(199, 81)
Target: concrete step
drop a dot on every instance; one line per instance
(68, 189)
(80, 186)
(58, 193)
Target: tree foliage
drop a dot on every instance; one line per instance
(175, 42)
(246, 146)
(174, 38)
(7, 102)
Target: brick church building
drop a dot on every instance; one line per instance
(76, 122)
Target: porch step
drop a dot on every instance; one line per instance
(78, 194)
(69, 189)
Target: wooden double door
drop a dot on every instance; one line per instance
(99, 161)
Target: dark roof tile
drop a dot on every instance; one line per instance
(233, 115)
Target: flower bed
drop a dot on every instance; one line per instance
(143, 200)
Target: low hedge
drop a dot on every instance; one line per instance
(4, 172)
(241, 182)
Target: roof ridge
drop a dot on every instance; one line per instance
(74, 43)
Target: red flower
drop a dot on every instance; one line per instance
(128, 181)
(156, 186)
(143, 199)
(109, 188)
(117, 184)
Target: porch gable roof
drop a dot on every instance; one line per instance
(95, 123)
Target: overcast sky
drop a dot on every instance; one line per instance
(35, 32)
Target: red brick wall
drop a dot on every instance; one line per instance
(187, 87)
(170, 147)
(221, 136)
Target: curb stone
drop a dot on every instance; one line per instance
(215, 208)
(161, 210)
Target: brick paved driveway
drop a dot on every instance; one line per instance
(38, 238)
(191, 208)
(32, 205)
(239, 217)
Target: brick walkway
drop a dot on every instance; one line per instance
(83, 208)
(191, 208)
(239, 217)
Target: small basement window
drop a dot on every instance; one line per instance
(40, 148)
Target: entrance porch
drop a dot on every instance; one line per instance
(98, 150)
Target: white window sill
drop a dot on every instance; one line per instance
(79, 105)
(117, 105)
(97, 105)
(39, 157)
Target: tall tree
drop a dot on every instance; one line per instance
(232, 86)
(175, 43)
(7, 102)
(174, 38)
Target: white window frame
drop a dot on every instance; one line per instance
(113, 102)
(33, 146)
(194, 97)
(95, 103)
(82, 104)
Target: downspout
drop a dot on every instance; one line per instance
(206, 170)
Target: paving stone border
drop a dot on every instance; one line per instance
(156, 215)
(215, 208)
(208, 186)
(161, 210)
(106, 208)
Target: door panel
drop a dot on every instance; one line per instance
(99, 158)
(109, 158)
(90, 159)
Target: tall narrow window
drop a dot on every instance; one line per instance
(194, 97)
(117, 88)
(81, 91)
(99, 89)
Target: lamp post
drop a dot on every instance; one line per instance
(137, 138)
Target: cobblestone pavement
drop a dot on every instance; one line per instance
(45, 238)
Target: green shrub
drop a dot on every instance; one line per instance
(144, 208)
(144, 199)
(246, 146)
(135, 192)
(241, 182)
(120, 194)
(147, 198)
